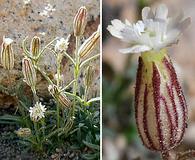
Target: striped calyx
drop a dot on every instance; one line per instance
(88, 46)
(59, 96)
(35, 46)
(29, 72)
(7, 55)
(160, 106)
(23, 132)
(80, 21)
(89, 74)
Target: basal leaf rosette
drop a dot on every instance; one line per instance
(160, 106)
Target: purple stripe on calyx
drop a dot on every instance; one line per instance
(175, 115)
(156, 93)
(145, 120)
(137, 93)
(180, 95)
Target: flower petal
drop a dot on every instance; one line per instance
(147, 13)
(161, 12)
(123, 31)
(135, 49)
(184, 24)
(115, 28)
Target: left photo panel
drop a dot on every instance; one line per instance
(50, 80)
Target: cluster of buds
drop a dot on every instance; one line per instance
(35, 46)
(29, 72)
(159, 99)
(7, 55)
(80, 21)
(59, 96)
(88, 46)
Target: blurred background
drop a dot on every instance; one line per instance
(120, 138)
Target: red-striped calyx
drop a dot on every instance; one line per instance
(35, 46)
(29, 72)
(80, 21)
(7, 55)
(160, 106)
(59, 96)
(89, 45)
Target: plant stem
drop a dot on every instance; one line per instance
(36, 98)
(85, 94)
(43, 126)
(36, 132)
(168, 155)
(58, 115)
(186, 155)
(76, 73)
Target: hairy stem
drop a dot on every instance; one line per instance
(188, 155)
(76, 74)
(36, 132)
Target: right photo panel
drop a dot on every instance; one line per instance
(148, 93)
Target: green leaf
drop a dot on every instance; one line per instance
(92, 146)
(10, 118)
(90, 156)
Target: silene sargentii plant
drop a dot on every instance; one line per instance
(160, 106)
(45, 125)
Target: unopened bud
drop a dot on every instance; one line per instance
(80, 21)
(89, 74)
(7, 55)
(35, 46)
(160, 106)
(59, 96)
(29, 72)
(88, 46)
(23, 132)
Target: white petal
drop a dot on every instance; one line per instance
(147, 13)
(174, 21)
(7, 41)
(114, 31)
(128, 23)
(122, 31)
(161, 12)
(172, 36)
(116, 27)
(184, 24)
(135, 49)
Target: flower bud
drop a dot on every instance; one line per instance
(29, 72)
(59, 96)
(7, 55)
(23, 132)
(160, 106)
(35, 46)
(88, 46)
(89, 74)
(80, 21)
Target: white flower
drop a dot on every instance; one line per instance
(155, 31)
(7, 41)
(62, 44)
(26, 2)
(37, 112)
